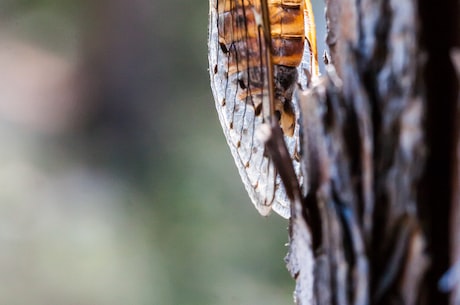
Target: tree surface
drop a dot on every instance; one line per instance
(382, 147)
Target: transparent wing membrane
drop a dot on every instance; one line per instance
(254, 61)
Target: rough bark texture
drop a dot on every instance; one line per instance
(381, 145)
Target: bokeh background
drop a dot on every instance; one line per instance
(116, 185)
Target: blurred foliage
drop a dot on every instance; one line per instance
(117, 185)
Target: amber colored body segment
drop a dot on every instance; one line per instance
(287, 31)
(239, 28)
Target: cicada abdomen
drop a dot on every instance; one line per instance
(250, 71)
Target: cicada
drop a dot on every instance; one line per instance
(259, 51)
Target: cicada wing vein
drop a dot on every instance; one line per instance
(249, 92)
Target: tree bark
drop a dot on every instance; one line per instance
(381, 146)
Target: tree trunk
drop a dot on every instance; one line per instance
(382, 148)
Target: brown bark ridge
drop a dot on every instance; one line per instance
(381, 147)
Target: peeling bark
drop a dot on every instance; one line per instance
(381, 149)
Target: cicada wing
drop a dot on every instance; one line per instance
(242, 81)
(310, 61)
(240, 86)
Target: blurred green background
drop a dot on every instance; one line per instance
(116, 183)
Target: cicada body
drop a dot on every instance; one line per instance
(256, 52)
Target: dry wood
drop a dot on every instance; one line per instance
(381, 145)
